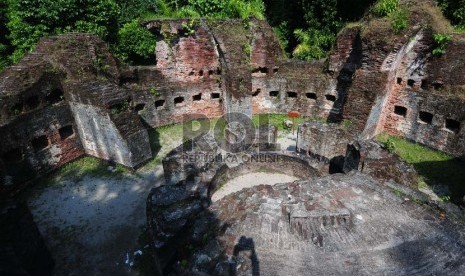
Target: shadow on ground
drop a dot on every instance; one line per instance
(449, 174)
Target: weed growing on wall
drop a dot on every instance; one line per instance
(399, 20)
(440, 43)
(385, 7)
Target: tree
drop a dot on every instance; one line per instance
(135, 43)
(454, 10)
(28, 21)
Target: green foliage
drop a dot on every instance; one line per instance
(314, 44)
(390, 145)
(28, 21)
(399, 19)
(153, 90)
(385, 7)
(323, 23)
(227, 9)
(3, 56)
(454, 10)
(445, 198)
(135, 9)
(247, 49)
(4, 42)
(87, 166)
(208, 7)
(135, 43)
(308, 28)
(189, 28)
(282, 33)
(440, 43)
(398, 193)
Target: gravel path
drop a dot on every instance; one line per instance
(250, 180)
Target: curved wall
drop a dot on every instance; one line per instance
(297, 166)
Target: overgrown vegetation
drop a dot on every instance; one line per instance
(385, 7)
(434, 167)
(306, 29)
(440, 43)
(399, 20)
(24, 22)
(454, 10)
(135, 43)
(397, 14)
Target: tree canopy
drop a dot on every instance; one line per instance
(306, 28)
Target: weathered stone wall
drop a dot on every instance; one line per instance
(426, 104)
(35, 144)
(375, 79)
(102, 138)
(229, 66)
(185, 80)
(38, 129)
(371, 158)
(322, 141)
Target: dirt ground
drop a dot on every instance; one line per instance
(92, 226)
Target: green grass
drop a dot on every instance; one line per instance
(84, 166)
(278, 119)
(434, 167)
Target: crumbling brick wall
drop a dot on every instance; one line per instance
(38, 126)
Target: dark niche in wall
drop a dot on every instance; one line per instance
(400, 110)
(197, 97)
(159, 104)
(33, 102)
(215, 95)
(139, 107)
(274, 94)
(255, 94)
(40, 143)
(292, 94)
(453, 125)
(178, 101)
(437, 85)
(55, 96)
(262, 70)
(411, 82)
(426, 117)
(330, 98)
(424, 84)
(311, 96)
(66, 132)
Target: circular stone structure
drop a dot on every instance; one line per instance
(250, 180)
(342, 224)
